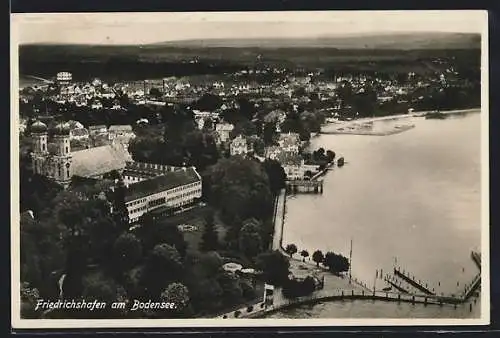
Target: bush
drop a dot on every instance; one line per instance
(293, 288)
(237, 313)
(224, 317)
(248, 290)
(250, 308)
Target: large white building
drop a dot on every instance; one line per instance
(135, 172)
(295, 167)
(164, 193)
(64, 77)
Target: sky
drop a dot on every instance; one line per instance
(144, 28)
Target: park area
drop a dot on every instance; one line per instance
(234, 271)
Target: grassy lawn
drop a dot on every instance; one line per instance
(195, 217)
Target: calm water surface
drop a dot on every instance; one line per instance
(410, 199)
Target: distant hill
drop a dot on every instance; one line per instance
(406, 41)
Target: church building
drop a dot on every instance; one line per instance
(54, 158)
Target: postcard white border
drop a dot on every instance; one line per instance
(18, 323)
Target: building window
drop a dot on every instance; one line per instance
(67, 150)
(43, 146)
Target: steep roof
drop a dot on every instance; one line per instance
(99, 160)
(125, 127)
(79, 132)
(168, 181)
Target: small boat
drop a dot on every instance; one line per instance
(340, 162)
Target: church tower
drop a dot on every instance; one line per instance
(39, 152)
(63, 170)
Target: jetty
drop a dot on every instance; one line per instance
(394, 285)
(412, 281)
(307, 186)
(476, 257)
(323, 171)
(472, 287)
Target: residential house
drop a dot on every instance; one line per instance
(223, 131)
(272, 152)
(79, 134)
(98, 130)
(121, 132)
(289, 142)
(238, 146)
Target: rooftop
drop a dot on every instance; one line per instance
(126, 127)
(168, 181)
(99, 160)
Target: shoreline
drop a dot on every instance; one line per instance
(356, 128)
(359, 291)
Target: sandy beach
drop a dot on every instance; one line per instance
(381, 126)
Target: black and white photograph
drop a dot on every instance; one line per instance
(215, 169)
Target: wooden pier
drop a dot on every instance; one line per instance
(412, 281)
(394, 285)
(473, 286)
(307, 186)
(476, 257)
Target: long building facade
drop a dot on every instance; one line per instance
(165, 193)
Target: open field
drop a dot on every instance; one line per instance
(156, 61)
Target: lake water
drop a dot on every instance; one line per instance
(410, 199)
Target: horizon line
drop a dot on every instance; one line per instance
(321, 36)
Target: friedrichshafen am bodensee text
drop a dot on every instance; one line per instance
(97, 305)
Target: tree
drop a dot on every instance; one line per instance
(127, 251)
(103, 289)
(29, 299)
(330, 155)
(250, 241)
(210, 237)
(155, 92)
(205, 294)
(178, 294)
(151, 233)
(113, 175)
(274, 267)
(163, 265)
(304, 254)
(210, 264)
(276, 175)
(245, 128)
(294, 288)
(231, 289)
(239, 187)
(336, 263)
(208, 102)
(291, 249)
(318, 257)
(208, 125)
(247, 289)
(269, 133)
(120, 211)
